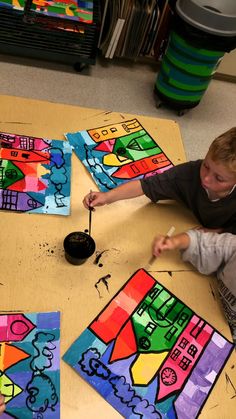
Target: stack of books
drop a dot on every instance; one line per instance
(133, 28)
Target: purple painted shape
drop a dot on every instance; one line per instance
(48, 320)
(17, 201)
(202, 380)
(7, 416)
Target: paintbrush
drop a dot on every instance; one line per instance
(153, 258)
(90, 212)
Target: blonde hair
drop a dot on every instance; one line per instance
(223, 149)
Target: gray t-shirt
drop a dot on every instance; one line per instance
(182, 183)
(216, 253)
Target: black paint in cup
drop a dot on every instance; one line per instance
(78, 247)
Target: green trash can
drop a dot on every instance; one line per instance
(193, 55)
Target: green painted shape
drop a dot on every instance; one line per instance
(185, 86)
(8, 388)
(181, 97)
(207, 52)
(10, 174)
(199, 70)
(159, 320)
(192, 88)
(136, 146)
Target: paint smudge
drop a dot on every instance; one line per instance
(177, 270)
(98, 257)
(229, 382)
(99, 254)
(47, 250)
(212, 292)
(213, 407)
(104, 281)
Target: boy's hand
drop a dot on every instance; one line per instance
(95, 199)
(162, 243)
(2, 404)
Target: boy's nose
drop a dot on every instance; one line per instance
(207, 179)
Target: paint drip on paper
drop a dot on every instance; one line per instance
(148, 354)
(30, 365)
(35, 174)
(117, 153)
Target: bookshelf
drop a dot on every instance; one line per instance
(135, 28)
(43, 30)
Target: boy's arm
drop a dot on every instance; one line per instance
(130, 189)
(207, 251)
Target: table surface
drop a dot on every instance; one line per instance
(33, 278)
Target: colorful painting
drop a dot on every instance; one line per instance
(148, 354)
(34, 174)
(30, 365)
(117, 153)
(80, 11)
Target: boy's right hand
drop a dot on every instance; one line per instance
(162, 243)
(2, 404)
(95, 199)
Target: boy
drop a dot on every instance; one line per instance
(207, 187)
(209, 253)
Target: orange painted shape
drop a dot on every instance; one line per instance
(11, 355)
(125, 344)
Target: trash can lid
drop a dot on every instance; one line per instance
(217, 17)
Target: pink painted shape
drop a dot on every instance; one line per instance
(15, 141)
(14, 327)
(161, 170)
(105, 146)
(196, 324)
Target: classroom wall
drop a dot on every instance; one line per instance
(228, 64)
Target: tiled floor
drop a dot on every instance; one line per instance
(120, 86)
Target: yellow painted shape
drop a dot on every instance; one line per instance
(16, 3)
(146, 366)
(110, 132)
(2, 353)
(69, 12)
(112, 160)
(8, 388)
(41, 170)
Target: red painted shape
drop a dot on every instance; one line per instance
(141, 167)
(105, 146)
(24, 155)
(110, 321)
(21, 186)
(125, 344)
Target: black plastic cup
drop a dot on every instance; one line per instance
(78, 247)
